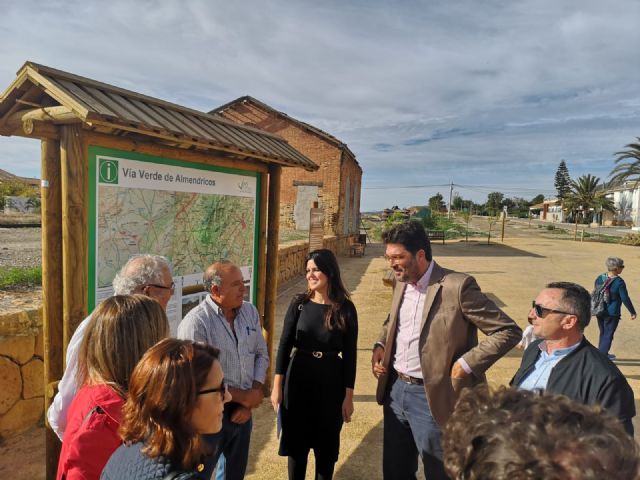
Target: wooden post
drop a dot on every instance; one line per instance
(51, 209)
(275, 172)
(74, 230)
(262, 249)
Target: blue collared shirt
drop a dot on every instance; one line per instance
(244, 356)
(539, 376)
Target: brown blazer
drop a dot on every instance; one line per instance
(454, 310)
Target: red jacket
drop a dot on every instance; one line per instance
(91, 435)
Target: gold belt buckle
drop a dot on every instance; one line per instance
(317, 354)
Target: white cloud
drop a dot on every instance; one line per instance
(478, 92)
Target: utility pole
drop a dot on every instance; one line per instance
(450, 195)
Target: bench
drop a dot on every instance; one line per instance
(435, 235)
(355, 247)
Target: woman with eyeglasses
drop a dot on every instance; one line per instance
(122, 328)
(316, 369)
(618, 295)
(176, 397)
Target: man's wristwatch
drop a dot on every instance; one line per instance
(376, 345)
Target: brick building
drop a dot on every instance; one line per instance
(335, 186)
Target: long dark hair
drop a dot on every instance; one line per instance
(326, 262)
(162, 395)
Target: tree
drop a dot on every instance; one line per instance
(627, 165)
(537, 199)
(587, 196)
(436, 203)
(562, 181)
(491, 221)
(494, 202)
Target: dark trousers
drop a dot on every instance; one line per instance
(235, 447)
(607, 326)
(297, 467)
(409, 431)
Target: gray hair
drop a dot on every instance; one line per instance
(139, 271)
(614, 263)
(213, 275)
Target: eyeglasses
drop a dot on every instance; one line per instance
(544, 311)
(222, 389)
(172, 287)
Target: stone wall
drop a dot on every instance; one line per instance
(291, 257)
(21, 369)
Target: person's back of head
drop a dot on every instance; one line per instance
(121, 330)
(522, 435)
(163, 394)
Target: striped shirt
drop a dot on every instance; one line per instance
(244, 360)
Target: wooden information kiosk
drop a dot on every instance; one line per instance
(124, 173)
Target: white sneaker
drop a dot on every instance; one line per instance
(611, 356)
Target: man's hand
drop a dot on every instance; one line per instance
(457, 371)
(241, 415)
(376, 361)
(251, 398)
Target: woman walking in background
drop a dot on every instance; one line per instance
(121, 330)
(316, 369)
(608, 321)
(176, 395)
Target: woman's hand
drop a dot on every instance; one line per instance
(276, 392)
(347, 405)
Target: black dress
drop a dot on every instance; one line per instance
(314, 384)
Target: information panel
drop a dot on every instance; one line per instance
(193, 214)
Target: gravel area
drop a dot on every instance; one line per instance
(20, 247)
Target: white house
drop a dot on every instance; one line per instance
(626, 199)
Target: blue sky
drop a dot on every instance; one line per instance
(486, 94)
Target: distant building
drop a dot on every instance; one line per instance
(626, 200)
(335, 186)
(549, 210)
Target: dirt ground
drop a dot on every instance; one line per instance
(20, 247)
(511, 273)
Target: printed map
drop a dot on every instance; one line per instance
(191, 229)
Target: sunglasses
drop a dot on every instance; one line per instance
(222, 390)
(544, 311)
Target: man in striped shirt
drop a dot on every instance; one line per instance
(225, 321)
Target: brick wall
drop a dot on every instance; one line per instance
(337, 169)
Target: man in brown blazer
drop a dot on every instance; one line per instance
(428, 351)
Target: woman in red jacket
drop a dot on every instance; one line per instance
(122, 329)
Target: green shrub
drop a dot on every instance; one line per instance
(551, 227)
(20, 276)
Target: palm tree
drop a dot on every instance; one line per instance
(627, 165)
(587, 196)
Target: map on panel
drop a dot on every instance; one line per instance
(192, 229)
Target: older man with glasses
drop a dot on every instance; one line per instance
(146, 274)
(562, 361)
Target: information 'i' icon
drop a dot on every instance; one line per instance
(108, 171)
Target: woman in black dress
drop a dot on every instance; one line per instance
(316, 369)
